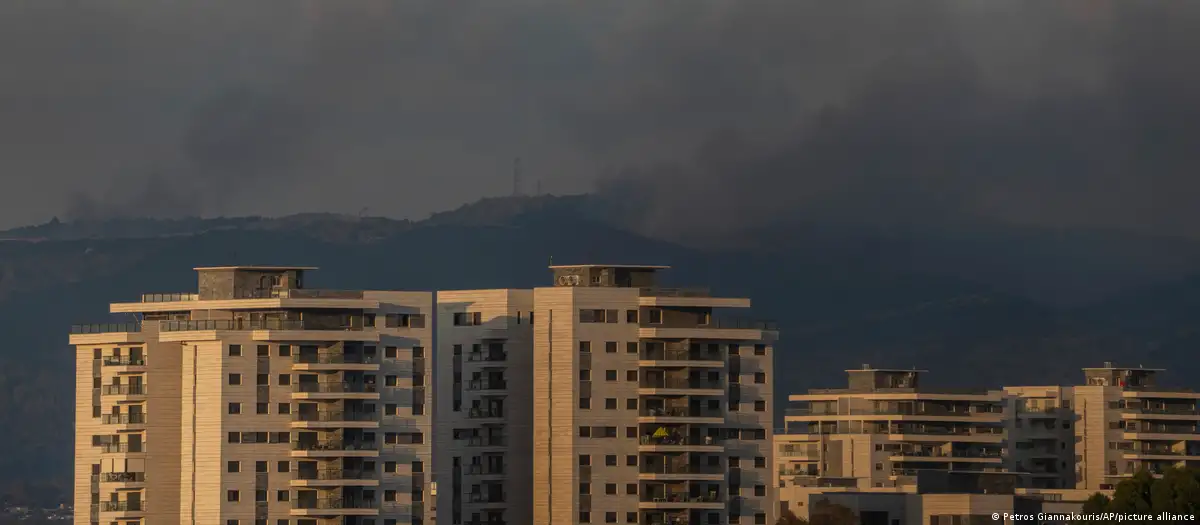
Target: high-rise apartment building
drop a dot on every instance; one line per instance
(1059, 444)
(256, 400)
(885, 426)
(485, 407)
(648, 407)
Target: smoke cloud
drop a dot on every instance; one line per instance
(694, 116)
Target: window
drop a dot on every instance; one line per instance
(760, 462)
(389, 381)
(282, 495)
(260, 466)
(631, 316)
(631, 403)
(610, 347)
(389, 466)
(235, 379)
(389, 352)
(585, 517)
(585, 432)
(585, 403)
(235, 437)
(631, 347)
(610, 517)
(283, 466)
(231, 496)
(760, 406)
(610, 489)
(631, 460)
(233, 467)
(231, 522)
(760, 491)
(760, 377)
(760, 349)
(285, 350)
(631, 375)
(260, 495)
(760, 519)
(262, 380)
(285, 379)
(264, 350)
(610, 375)
(656, 316)
(585, 375)
(610, 403)
(631, 489)
(260, 408)
(585, 460)
(631, 517)
(585, 488)
(235, 350)
(631, 432)
(585, 346)
(235, 408)
(389, 409)
(610, 460)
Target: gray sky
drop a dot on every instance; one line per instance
(1056, 112)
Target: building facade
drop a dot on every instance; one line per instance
(647, 407)
(256, 400)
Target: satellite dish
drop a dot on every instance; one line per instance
(568, 280)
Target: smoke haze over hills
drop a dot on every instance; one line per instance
(1076, 112)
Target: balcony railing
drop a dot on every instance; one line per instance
(105, 328)
(296, 293)
(484, 413)
(120, 448)
(122, 506)
(674, 292)
(679, 497)
(680, 440)
(486, 384)
(123, 419)
(336, 416)
(335, 474)
(335, 503)
(681, 383)
(475, 497)
(251, 324)
(497, 441)
(680, 469)
(680, 412)
(485, 470)
(1175, 411)
(123, 390)
(169, 297)
(334, 359)
(679, 354)
(335, 388)
(123, 477)
(333, 444)
(727, 323)
(124, 360)
(487, 356)
(978, 454)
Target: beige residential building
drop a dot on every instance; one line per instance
(484, 411)
(647, 406)
(883, 427)
(256, 400)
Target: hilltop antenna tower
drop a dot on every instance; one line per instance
(517, 177)
(538, 191)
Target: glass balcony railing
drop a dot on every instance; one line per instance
(123, 390)
(334, 504)
(121, 448)
(336, 416)
(679, 497)
(123, 419)
(484, 413)
(681, 383)
(334, 388)
(681, 469)
(123, 477)
(122, 506)
(334, 444)
(335, 475)
(487, 384)
(123, 360)
(680, 412)
(487, 356)
(105, 328)
(495, 441)
(335, 359)
(252, 324)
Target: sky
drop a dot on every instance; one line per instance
(1059, 113)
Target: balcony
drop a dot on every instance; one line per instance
(680, 500)
(123, 420)
(680, 472)
(485, 413)
(335, 419)
(123, 360)
(335, 361)
(665, 357)
(105, 328)
(481, 441)
(680, 386)
(123, 509)
(680, 415)
(270, 329)
(123, 448)
(680, 443)
(334, 448)
(119, 393)
(477, 498)
(687, 297)
(331, 477)
(484, 470)
(486, 384)
(123, 479)
(335, 390)
(335, 506)
(487, 357)
(169, 297)
(717, 328)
